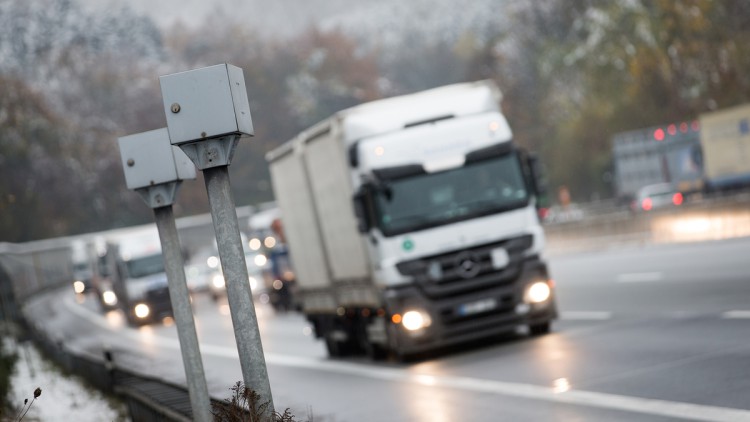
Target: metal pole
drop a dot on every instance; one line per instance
(242, 309)
(183, 314)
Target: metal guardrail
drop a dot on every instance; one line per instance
(147, 399)
(720, 217)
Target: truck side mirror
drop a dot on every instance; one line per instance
(361, 210)
(538, 179)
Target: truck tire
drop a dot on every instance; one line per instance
(376, 352)
(338, 349)
(333, 347)
(540, 328)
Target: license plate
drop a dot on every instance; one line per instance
(477, 307)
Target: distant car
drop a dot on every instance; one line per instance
(656, 196)
(198, 277)
(256, 264)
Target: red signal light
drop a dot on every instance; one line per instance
(677, 198)
(659, 134)
(647, 204)
(695, 126)
(672, 129)
(683, 127)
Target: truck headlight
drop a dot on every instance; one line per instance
(260, 260)
(415, 320)
(78, 286)
(538, 292)
(109, 297)
(218, 281)
(141, 310)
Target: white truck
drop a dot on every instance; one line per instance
(138, 279)
(82, 263)
(92, 273)
(412, 225)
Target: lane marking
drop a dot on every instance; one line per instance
(739, 314)
(640, 277)
(680, 410)
(585, 315)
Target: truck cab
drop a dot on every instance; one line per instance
(449, 208)
(139, 279)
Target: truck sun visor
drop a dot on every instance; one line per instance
(398, 172)
(427, 121)
(493, 151)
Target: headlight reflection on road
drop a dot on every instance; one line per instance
(80, 299)
(426, 380)
(149, 339)
(699, 226)
(426, 403)
(115, 319)
(561, 385)
(556, 356)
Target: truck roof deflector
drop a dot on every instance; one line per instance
(444, 163)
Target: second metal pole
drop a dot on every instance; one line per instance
(183, 314)
(242, 309)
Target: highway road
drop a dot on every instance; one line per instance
(657, 333)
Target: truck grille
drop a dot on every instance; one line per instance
(467, 270)
(159, 300)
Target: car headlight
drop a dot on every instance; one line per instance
(260, 260)
(415, 320)
(538, 292)
(78, 286)
(218, 281)
(141, 310)
(109, 297)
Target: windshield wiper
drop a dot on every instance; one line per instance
(413, 218)
(483, 205)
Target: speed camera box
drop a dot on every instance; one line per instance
(206, 103)
(149, 159)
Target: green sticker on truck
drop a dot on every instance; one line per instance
(408, 244)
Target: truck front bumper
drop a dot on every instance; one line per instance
(469, 315)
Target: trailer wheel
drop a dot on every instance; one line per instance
(333, 347)
(540, 329)
(338, 349)
(376, 352)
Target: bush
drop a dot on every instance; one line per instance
(245, 406)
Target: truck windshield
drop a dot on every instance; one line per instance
(428, 200)
(144, 266)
